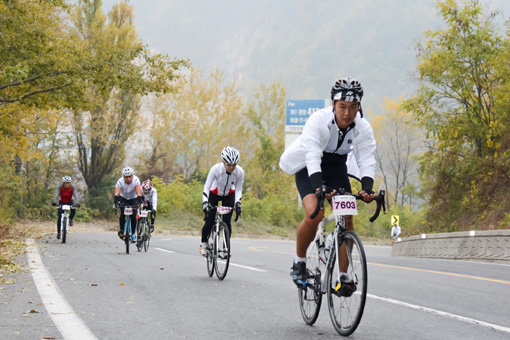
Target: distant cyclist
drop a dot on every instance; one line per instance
(65, 194)
(318, 157)
(150, 200)
(224, 183)
(127, 191)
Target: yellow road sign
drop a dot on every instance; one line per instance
(395, 219)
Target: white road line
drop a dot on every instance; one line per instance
(247, 267)
(232, 264)
(438, 312)
(65, 318)
(166, 251)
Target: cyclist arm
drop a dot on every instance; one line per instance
(154, 199)
(56, 198)
(75, 194)
(138, 190)
(315, 138)
(239, 185)
(364, 152)
(207, 185)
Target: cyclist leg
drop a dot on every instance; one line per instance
(122, 219)
(59, 220)
(228, 201)
(307, 228)
(209, 218)
(71, 216)
(134, 224)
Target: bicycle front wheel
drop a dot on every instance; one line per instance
(140, 234)
(222, 251)
(310, 297)
(346, 300)
(146, 238)
(64, 229)
(127, 235)
(210, 255)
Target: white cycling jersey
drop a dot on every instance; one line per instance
(128, 191)
(321, 134)
(152, 198)
(222, 183)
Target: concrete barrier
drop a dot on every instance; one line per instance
(492, 245)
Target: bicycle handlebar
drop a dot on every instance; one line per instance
(321, 195)
(215, 206)
(74, 205)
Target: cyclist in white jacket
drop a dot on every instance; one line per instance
(224, 183)
(150, 200)
(318, 157)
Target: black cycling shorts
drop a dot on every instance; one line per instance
(334, 174)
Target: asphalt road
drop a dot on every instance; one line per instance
(167, 294)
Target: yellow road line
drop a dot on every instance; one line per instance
(260, 248)
(438, 272)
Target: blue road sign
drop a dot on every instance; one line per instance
(298, 111)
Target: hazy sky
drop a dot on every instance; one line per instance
(304, 44)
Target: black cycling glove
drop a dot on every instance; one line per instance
(238, 208)
(316, 179)
(366, 185)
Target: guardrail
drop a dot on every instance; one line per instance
(493, 245)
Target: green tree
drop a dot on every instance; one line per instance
(266, 113)
(119, 70)
(399, 143)
(189, 128)
(461, 105)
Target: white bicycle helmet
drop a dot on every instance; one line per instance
(230, 155)
(347, 89)
(128, 171)
(66, 179)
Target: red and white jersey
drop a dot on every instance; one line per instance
(222, 183)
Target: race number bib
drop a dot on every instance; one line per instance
(66, 207)
(223, 210)
(344, 205)
(128, 211)
(144, 213)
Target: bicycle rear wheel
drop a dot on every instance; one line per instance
(345, 305)
(210, 255)
(222, 251)
(64, 229)
(310, 297)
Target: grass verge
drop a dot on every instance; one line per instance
(12, 244)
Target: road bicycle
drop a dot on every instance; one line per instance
(143, 231)
(129, 234)
(346, 293)
(64, 220)
(218, 244)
